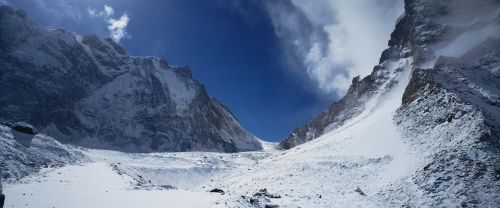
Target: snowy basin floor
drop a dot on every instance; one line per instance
(95, 185)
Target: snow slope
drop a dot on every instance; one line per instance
(24, 154)
(367, 152)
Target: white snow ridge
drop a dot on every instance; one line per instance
(421, 131)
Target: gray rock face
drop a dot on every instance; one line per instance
(88, 91)
(451, 116)
(352, 104)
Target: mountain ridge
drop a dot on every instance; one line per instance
(86, 90)
(447, 119)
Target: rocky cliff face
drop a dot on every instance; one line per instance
(449, 114)
(88, 91)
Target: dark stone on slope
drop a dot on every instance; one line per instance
(24, 128)
(216, 190)
(360, 191)
(253, 201)
(264, 193)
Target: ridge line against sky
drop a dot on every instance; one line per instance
(284, 60)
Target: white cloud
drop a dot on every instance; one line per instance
(108, 11)
(116, 27)
(336, 39)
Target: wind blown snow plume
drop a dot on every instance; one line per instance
(479, 20)
(116, 27)
(334, 40)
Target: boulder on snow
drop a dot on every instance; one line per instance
(360, 192)
(23, 127)
(23, 132)
(216, 190)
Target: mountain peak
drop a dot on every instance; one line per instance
(87, 91)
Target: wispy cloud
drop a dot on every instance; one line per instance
(53, 12)
(335, 40)
(116, 26)
(106, 12)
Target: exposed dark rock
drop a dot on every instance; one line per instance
(24, 128)
(216, 190)
(166, 187)
(253, 201)
(339, 112)
(360, 191)
(263, 192)
(184, 72)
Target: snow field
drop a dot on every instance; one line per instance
(95, 185)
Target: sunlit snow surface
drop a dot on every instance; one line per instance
(95, 185)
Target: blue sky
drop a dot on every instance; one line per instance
(273, 63)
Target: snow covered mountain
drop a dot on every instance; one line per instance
(88, 91)
(421, 131)
(427, 118)
(428, 31)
